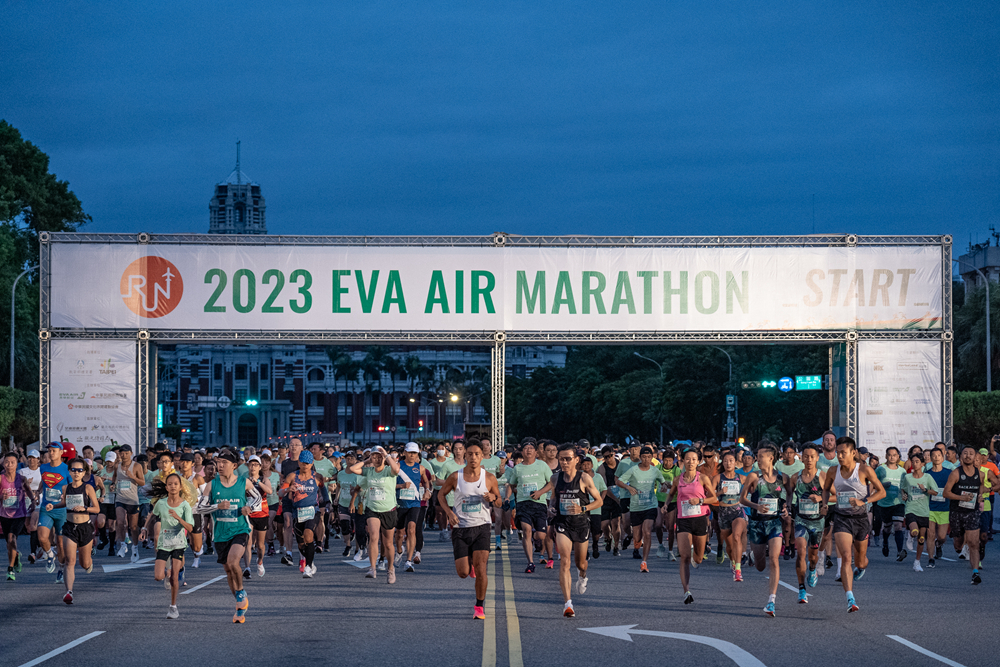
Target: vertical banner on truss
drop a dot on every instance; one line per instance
(93, 392)
(899, 394)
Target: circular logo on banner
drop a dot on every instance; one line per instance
(151, 286)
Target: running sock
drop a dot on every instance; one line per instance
(850, 596)
(310, 553)
(34, 542)
(739, 566)
(480, 603)
(770, 598)
(899, 541)
(240, 595)
(840, 563)
(50, 553)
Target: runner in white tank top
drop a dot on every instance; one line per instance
(475, 491)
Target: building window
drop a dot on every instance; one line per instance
(194, 372)
(316, 375)
(240, 395)
(289, 370)
(217, 371)
(263, 394)
(263, 371)
(240, 372)
(217, 392)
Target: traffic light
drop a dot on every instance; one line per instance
(768, 384)
(752, 384)
(420, 425)
(251, 402)
(759, 384)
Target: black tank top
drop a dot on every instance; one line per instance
(570, 493)
(966, 484)
(77, 490)
(609, 475)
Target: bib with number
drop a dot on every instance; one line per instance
(304, 514)
(10, 501)
(124, 485)
(53, 495)
(731, 487)
(844, 500)
(967, 504)
(807, 506)
(566, 504)
(173, 537)
(938, 499)
(376, 494)
(75, 500)
(687, 509)
(472, 505)
(408, 493)
(525, 490)
(227, 516)
(768, 505)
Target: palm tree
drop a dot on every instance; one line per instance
(346, 368)
(394, 368)
(372, 366)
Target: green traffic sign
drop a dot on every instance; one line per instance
(808, 382)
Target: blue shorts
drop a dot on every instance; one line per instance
(761, 531)
(54, 520)
(810, 531)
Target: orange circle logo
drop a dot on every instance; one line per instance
(151, 287)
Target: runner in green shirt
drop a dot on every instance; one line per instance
(641, 481)
(624, 496)
(325, 468)
(380, 472)
(915, 489)
(524, 479)
(595, 514)
(669, 468)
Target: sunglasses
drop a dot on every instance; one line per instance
(564, 459)
(77, 470)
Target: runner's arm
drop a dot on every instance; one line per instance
(710, 497)
(549, 485)
(828, 485)
(879, 493)
(591, 489)
(748, 487)
(253, 497)
(95, 504)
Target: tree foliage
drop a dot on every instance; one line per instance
(977, 417)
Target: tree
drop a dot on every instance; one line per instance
(394, 368)
(970, 339)
(31, 200)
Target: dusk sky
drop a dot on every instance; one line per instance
(557, 117)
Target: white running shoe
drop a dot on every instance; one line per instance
(370, 574)
(964, 555)
(820, 566)
(409, 566)
(260, 569)
(122, 550)
(307, 572)
(196, 563)
(135, 554)
(581, 585)
(909, 542)
(358, 556)
(172, 612)
(416, 558)
(661, 551)
(400, 557)
(916, 566)
(381, 565)
(166, 581)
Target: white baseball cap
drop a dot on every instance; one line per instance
(254, 458)
(111, 457)
(412, 447)
(33, 453)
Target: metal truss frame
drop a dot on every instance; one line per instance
(498, 340)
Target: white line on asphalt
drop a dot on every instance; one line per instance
(145, 562)
(361, 564)
(950, 560)
(920, 649)
(62, 649)
(732, 651)
(200, 586)
(789, 586)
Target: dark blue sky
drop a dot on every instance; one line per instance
(556, 117)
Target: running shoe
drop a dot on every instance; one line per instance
(568, 610)
(688, 598)
(271, 552)
(859, 572)
(635, 554)
(597, 551)
(530, 569)
(260, 569)
(901, 556)
(357, 556)
(909, 542)
(708, 548)
(671, 555)
(852, 606)
(803, 596)
(497, 542)
(50, 564)
(416, 558)
(302, 564)
(60, 577)
(976, 579)
(370, 574)
(320, 548)
(391, 576)
(916, 566)
(829, 562)
(242, 601)
(812, 578)
(17, 562)
(769, 609)
(172, 612)
(409, 566)
(820, 567)
(937, 551)
(166, 582)
(135, 554)
(627, 540)
(196, 563)
(10, 575)
(239, 617)
(607, 544)
(399, 558)
(837, 578)
(32, 558)
(68, 598)
(738, 575)
(307, 572)
(744, 560)
(643, 568)
(964, 555)
(930, 563)
(347, 550)
(581, 585)
(382, 565)
(720, 557)
(617, 552)
(246, 570)
(479, 613)
(287, 560)
(786, 552)
(549, 563)
(885, 548)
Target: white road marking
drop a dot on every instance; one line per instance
(145, 562)
(921, 649)
(360, 564)
(62, 649)
(789, 586)
(200, 586)
(732, 651)
(950, 560)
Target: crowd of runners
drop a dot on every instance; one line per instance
(566, 503)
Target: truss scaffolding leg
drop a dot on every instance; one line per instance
(498, 376)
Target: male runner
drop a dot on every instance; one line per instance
(409, 489)
(915, 490)
(807, 502)
(764, 493)
(290, 466)
(325, 468)
(611, 511)
(127, 479)
(641, 482)
(890, 509)
(54, 476)
(964, 489)
(524, 479)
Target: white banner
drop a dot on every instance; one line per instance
(275, 288)
(92, 395)
(899, 395)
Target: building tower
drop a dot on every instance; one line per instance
(237, 207)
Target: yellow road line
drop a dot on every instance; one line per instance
(490, 626)
(513, 625)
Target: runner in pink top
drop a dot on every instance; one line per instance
(694, 491)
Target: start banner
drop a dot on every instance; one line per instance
(438, 288)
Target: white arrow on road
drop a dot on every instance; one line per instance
(145, 562)
(732, 651)
(360, 564)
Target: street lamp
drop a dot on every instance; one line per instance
(989, 366)
(736, 423)
(12, 291)
(661, 391)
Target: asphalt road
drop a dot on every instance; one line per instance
(341, 618)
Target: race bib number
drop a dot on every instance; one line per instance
(731, 487)
(377, 494)
(408, 493)
(227, 516)
(844, 500)
(472, 505)
(124, 485)
(259, 507)
(303, 514)
(938, 498)
(173, 538)
(10, 501)
(525, 490)
(688, 510)
(53, 495)
(807, 506)
(967, 504)
(768, 506)
(645, 496)
(566, 505)
(109, 498)
(75, 500)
